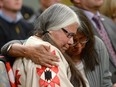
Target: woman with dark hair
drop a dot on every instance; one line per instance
(90, 55)
(85, 39)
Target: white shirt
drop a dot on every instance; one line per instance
(80, 67)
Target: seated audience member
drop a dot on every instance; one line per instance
(57, 34)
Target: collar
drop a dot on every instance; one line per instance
(9, 19)
(90, 15)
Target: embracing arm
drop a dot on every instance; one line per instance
(7, 51)
(38, 54)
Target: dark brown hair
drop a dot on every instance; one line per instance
(89, 55)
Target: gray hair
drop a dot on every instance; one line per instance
(55, 17)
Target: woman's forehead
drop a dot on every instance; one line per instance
(79, 34)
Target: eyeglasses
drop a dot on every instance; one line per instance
(81, 41)
(69, 34)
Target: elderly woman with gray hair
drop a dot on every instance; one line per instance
(55, 28)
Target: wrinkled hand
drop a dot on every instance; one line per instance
(41, 55)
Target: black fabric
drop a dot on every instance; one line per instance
(27, 12)
(14, 31)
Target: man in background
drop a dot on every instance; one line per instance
(12, 24)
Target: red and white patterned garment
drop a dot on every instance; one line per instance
(28, 74)
(10, 74)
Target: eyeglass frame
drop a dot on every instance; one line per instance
(69, 34)
(82, 42)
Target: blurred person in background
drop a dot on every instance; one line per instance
(12, 24)
(43, 4)
(109, 9)
(102, 26)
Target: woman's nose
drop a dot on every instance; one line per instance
(71, 42)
